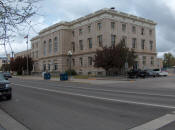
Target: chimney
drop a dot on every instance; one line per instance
(112, 8)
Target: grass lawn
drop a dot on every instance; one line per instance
(81, 76)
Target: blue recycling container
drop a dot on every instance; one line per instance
(47, 76)
(63, 76)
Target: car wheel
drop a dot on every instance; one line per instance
(9, 97)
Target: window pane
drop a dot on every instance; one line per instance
(124, 27)
(113, 39)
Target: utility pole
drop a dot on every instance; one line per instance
(27, 36)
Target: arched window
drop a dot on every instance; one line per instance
(50, 46)
(55, 44)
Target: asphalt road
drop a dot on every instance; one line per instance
(51, 105)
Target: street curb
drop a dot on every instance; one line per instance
(9, 123)
(1, 128)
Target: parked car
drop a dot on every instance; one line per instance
(163, 73)
(137, 73)
(151, 73)
(5, 89)
(159, 72)
(7, 75)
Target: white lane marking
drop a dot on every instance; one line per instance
(99, 98)
(118, 91)
(157, 123)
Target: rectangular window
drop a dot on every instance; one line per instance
(124, 38)
(80, 31)
(100, 40)
(150, 32)
(73, 33)
(152, 61)
(81, 44)
(55, 66)
(44, 67)
(151, 45)
(142, 31)
(89, 28)
(134, 43)
(143, 44)
(113, 39)
(112, 25)
(99, 26)
(89, 61)
(73, 46)
(124, 27)
(144, 60)
(36, 54)
(73, 62)
(134, 29)
(81, 61)
(48, 66)
(90, 42)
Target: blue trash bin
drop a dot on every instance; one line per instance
(45, 76)
(48, 76)
(66, 76)
(63, 77)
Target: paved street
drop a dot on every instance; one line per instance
(53, 105)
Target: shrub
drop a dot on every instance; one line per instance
(72, 72)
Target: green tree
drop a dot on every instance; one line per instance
(114, 57)
(169, 60)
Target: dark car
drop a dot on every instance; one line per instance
(133, 74)
(137, 73)
(5, 89)
(142, 74)
(7, 75)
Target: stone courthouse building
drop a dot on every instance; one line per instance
(87, 34)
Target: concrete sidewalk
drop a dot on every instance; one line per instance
(1, 128)
(89, 81)
(9, 123)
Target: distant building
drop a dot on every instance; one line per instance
(159, 63)
(4, 60)
(87, 34)
(23, 53)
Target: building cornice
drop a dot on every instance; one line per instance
(67, 25)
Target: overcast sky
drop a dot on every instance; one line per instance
(53, 11)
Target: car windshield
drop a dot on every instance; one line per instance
(156, 69)
(2, 76)
(7, 73)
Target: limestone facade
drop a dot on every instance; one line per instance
(87, 34)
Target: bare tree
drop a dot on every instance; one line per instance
(13, 13)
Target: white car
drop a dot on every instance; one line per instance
(159, 72)
(163, 73)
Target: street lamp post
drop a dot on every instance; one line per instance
(70, 57)
(27, 56)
